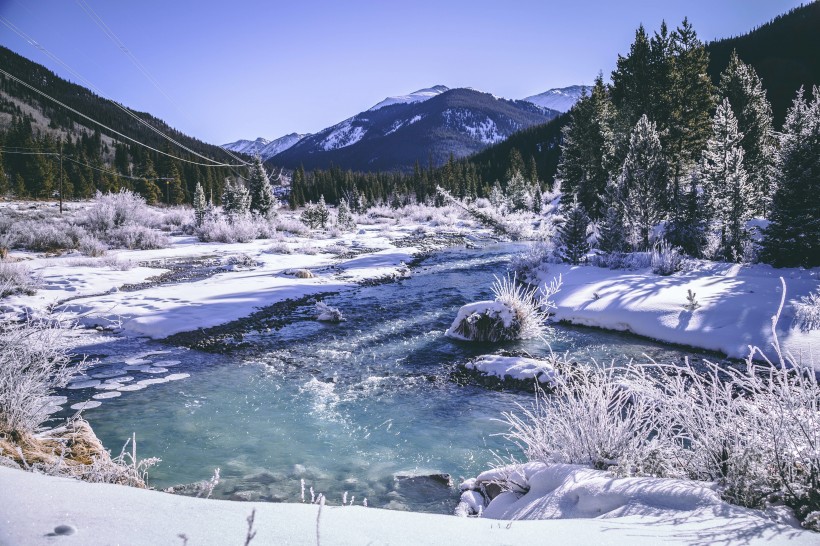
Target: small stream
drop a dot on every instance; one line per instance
(373, 406)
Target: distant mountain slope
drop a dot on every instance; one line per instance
(395, 136)
(416, 96)
(785, 52)
(560, 99)
(264, 147)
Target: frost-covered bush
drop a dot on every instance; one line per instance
(240, 261)
(136, 236)
(528, 263)
(622, 260)
(178, 217)
(516, 312)
(44, 235)
(279, 248)
(34, 361)
(291, 225)
(236, 229)
(15, 278)
(113, 210)
(666, 259)
(307, 249)
(807, 312)
(92, 247)
(754, 431)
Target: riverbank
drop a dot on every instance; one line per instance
(735, 305)
(96, 514)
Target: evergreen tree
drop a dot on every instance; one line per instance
(725, 183)
(793, 237)
(518, 193)
(587, 148)
(572, 234)
(262, 199)
(236, 199)
(344, 219)
(200, 205)
(686, 223)
(322, 214)
(611, 235)
(537, 199)
(147, 186)
(643, 182)
(740, 84)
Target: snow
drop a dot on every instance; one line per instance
(514, 367)
(113, 514)
(561, 99)
(263, 147)
(416, 96)
(493, 309)
(736, 305)
(342, 135)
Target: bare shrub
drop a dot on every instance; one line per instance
(92, 247)
(15, 278)
(114, 210)
(239, 228)
(292, 225)
(279, 248)
(135, 236)
(807, 312)
(34, 360)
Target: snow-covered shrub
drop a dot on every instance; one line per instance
(92, 247)
(113, 210)
(178, 217)
(516, 312)
(327, 313)
(34, 361)
(335, 249)
(242, 261)
(116, 263)
(622, 260)
(44, 235)
(807, 312)
(279, 248)
(307, 249)
(15, 278)
(666, 259)
(292, 225)
(528, 263)
(136, 236)
(240, 228)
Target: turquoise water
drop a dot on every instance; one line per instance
(347, 407)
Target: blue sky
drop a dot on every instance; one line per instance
(249, 68)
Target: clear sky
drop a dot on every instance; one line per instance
(247, 68)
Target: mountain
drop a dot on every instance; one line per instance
(784, 52)
(416, 96)
(425, 126)
(560, 99)
(263, 147)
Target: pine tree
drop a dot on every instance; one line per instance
(686, 228)
(793, 237)
(537, 199)
(263, 201)
(200, 205)
(518, 193)
(322, 214)
(611, 235)
(344, 219)
(643, 182)
(236, 200)
(725, 183)
(587, 148)
(572, 234)
(740, 84)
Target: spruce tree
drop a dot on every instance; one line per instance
(793, 237)
(344, 219)
(572, 234)
(200, 205)
(322, 214)
(587, 148)
(740, 84)
(236, 200)
(611, 234)
(725, 183)
(643, 182)
(518, 193)
(263, 201)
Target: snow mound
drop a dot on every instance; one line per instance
(483, 320)
(514, 367)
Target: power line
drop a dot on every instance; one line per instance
(106, 127)
(122, 47)
(94, 88)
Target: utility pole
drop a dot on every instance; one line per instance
(61, 175)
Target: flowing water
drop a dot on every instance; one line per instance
(374, 406)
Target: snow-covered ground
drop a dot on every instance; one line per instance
(96, 514)
(736, 305)
(89, 289)
(513, 367)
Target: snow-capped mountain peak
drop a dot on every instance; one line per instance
(561, 99)
(263, 147)
(416, 96)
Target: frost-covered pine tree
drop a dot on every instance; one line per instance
(497, 197)
(725, 184)
(537, 199)
(262, 199)
(344, 219)
(740, 84)
(518, 193)
(572, 234)
(793, 237)
(611, 235)
(643, 183)
(236, 200)
(322, 214)
(200, 205)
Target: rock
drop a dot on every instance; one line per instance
(246, 496)
(65, 530)
(492, 490)
(264, 477)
